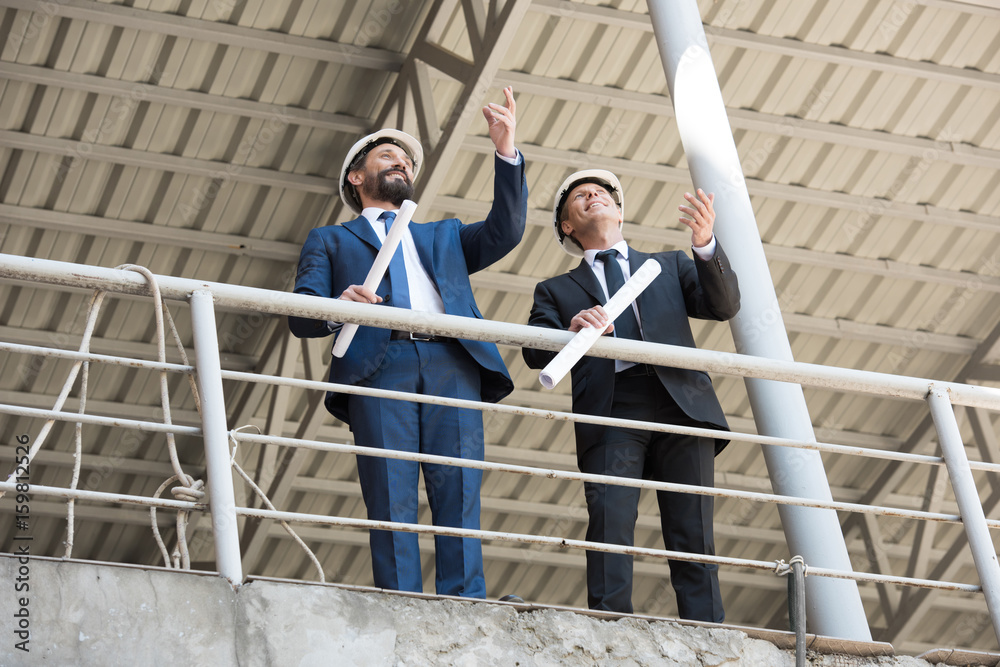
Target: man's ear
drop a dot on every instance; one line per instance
(566, 227)
(355, 177)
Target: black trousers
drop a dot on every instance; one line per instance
(686, 519)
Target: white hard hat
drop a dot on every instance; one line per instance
(385, 136)
(602, 177)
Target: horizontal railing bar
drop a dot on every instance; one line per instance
(593, 546)
(104, 497)
(18, 348)
(558, 415)
(500, 408)
(76, 417)
(238, 297)
(601, 479)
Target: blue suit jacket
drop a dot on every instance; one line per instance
(338, 256)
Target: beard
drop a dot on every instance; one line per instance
(386, 189)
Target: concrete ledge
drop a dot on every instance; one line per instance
(83, 613)
(955, 658)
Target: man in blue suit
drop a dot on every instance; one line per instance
(429, 272)
(588, 214)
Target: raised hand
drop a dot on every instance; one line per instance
(701, 217)
(501, 121)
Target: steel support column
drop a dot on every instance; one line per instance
(834, 607)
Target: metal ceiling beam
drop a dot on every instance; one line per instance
(778, 45)
(194, 239)
(746, 119)
(563, 89)
(978, 7)
(893, 473)
(886, 268)
(920, 602)
(289, 252)
(120, 464)
(923, 539)
(870, 207)
(216, 32)
(499, 23)
(191, 99)
(115, 347)
(133, 157)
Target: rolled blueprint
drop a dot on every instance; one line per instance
(378, 269)
(585, 338)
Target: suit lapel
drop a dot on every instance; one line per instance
(361, 228)
(584, 276)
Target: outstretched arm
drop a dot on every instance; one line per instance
(484, 243)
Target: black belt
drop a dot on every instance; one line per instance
(637, 370)
(418, 337)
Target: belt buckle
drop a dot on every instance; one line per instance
(421, 337)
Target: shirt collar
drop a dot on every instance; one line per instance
(372, 213)
(591, 255)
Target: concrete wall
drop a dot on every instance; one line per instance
(87, 614)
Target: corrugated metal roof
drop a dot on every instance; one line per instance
(203, 139)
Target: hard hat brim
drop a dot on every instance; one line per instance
(365, 144)
(602, 177)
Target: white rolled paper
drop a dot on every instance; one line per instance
(585, 338)
(378, 269)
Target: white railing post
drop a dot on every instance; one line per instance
(969, 505)
(222, 499)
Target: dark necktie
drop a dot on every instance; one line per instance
(626, 325)
(397, 270)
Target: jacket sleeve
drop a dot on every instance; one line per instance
(314, 277)
(544, 313)
(486, 242)
(711, 290)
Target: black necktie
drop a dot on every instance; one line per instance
(397, 270)
(626, 325)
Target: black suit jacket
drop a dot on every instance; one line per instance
(685, 288)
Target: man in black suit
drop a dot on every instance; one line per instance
(588, 216)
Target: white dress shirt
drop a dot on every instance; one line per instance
(424, 296)
(597, 266)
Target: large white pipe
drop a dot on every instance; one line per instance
(779, 409)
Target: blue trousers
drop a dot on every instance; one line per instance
(389, 486)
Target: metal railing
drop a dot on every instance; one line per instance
(204, 297)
